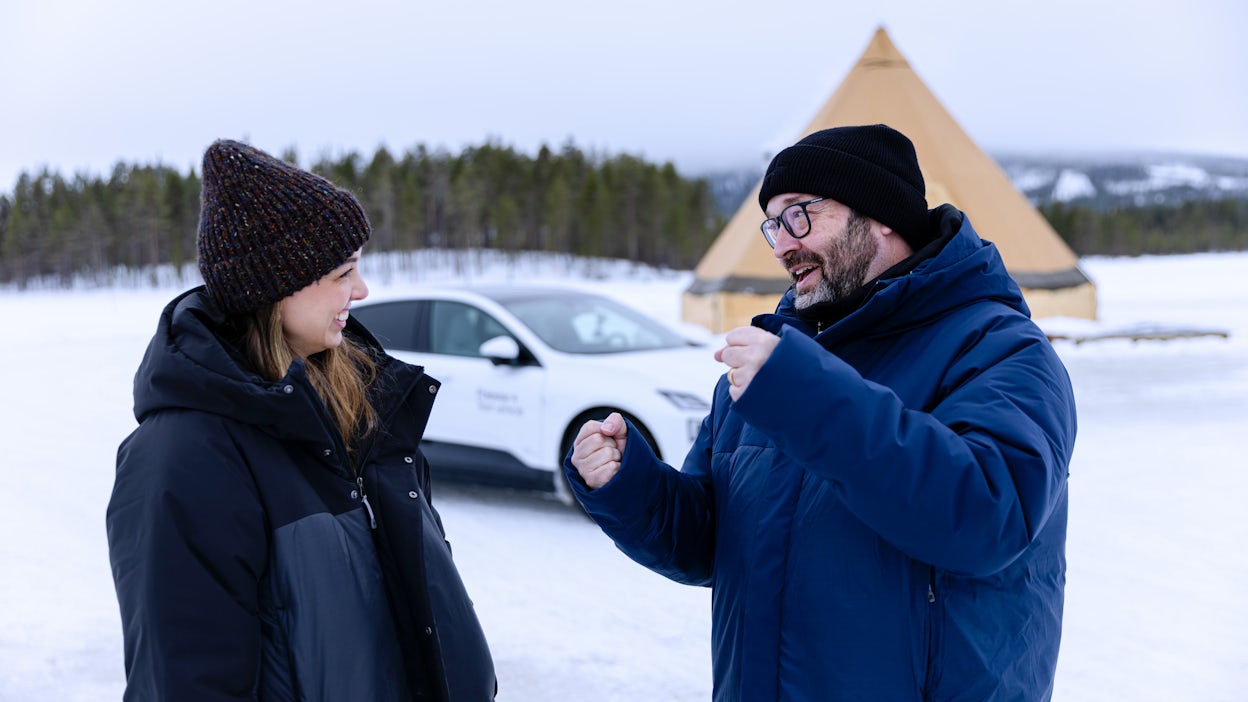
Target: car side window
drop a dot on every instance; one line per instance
(458, 329)
(395, 324)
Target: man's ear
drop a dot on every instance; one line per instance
(892, 241)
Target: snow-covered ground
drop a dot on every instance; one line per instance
(1158, 563)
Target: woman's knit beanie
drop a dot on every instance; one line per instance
(268, 229)
(871, 169)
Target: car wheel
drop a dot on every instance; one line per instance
(562, 489)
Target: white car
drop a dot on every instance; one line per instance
(522, 368)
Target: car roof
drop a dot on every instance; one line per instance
(500, 293)
(497, 292)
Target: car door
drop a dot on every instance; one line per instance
(497, 407)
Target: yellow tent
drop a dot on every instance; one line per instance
(738, 277)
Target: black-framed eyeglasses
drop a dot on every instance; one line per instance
(795, 218)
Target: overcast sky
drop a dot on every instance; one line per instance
(703, 83)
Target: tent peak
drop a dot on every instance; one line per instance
(881, 52)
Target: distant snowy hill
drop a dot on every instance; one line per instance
(1098, 182)
(1127, 181)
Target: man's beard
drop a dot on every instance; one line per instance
(843, 265)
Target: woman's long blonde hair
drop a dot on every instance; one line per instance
(340, 375)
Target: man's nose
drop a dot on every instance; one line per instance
(785, 243)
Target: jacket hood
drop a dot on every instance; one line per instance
(964, 269)
(189, 366)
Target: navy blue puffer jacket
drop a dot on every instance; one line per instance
(882, 514)
(251, 564)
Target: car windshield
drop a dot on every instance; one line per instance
(585, 323)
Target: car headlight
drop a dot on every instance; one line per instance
(685, 400)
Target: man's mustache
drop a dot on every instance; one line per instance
(800, 258)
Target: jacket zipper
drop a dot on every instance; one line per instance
(932, 625)
(366, 455)
(340, 447)
(372, 519)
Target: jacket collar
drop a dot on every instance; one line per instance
(190, 364)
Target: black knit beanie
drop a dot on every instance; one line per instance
(871, 169)
(268, 229)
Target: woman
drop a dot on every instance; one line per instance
(270, 529)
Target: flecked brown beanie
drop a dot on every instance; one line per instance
(268, 229)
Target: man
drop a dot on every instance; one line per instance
(878, 497)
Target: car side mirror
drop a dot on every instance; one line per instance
(500, 350)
